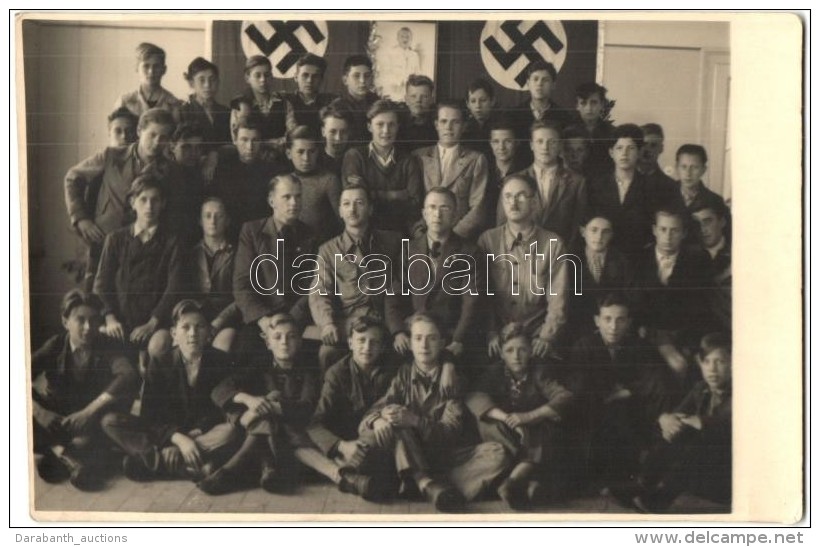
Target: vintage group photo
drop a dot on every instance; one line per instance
(378, 267)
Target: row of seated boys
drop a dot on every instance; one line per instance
(378, 431)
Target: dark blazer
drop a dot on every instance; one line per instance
(592, 374)
(565, 206)
(343, 401)
(137, 281)
(109, 371)
(295, 389)
(259, 237)
(632, 219)
(458, 313)
(170, 405)
(683, 303)
(467, 179)
(214, 284)
(540, 389)
(617, 275)
(218, 131)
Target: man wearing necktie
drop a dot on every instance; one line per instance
(462, 171)
(262, 288)
(355, 275)
(527, 282)
(453, 299)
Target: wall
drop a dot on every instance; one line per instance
(675, 74)
(74, 72)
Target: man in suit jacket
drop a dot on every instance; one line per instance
(438, 252)
(261, 287)
(625, 196)
(457, 168)
(529, 283)
(562, 193)
(349, 276)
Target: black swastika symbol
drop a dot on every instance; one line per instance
(523, 44)
(283, 32)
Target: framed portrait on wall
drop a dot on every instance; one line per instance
(399, 49)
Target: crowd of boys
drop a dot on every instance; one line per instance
(568, 325)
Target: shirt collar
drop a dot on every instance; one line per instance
(713, 251)
(444, 151)
(151, 231)
(660, 256)
(224, 247)
(391, 158)
(417, 375)
(509, 236)
(592, 254)
(348, 241)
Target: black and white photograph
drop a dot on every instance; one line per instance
(388, 268)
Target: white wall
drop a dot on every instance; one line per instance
(675, 74)
(74, 73)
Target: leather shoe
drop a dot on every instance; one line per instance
(445, 498)
(513, 493)
(356, 483)
(221, 481)
(51, 469)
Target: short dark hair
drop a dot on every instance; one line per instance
(253, 123)
(719, 208)
(449, 104)
(535, 66)
(481, 84)
(502, 123)
(148, 180)
(417, 80)
(528, 180)
(198, 65)
(366, 323)
(613, 298)
(383, 106)
(240, 100)
(627, 131)
(336, 109)
(279, 319)
(274, 182)
(575, 132)
(216, 199)
(692, 150)
(441, 190)
(312, 60)
(78, 297)
(672, 211)
(540, 124)
(123, 112)
(187, 131)
(349, 186)
(424, 317)
(184, 307)
(589, 216)
(301, 132)
(156, 115)
(588, 89)
(356, 60)
(511, 331)
(255, 61)
(715, 341)
(652, 129)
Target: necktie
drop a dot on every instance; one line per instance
(518, 241)
(597, 267)
(435, 249)
(665, 265)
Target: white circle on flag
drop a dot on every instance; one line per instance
(295, 39)
(543, 40)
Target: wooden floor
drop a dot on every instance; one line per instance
(120, 495)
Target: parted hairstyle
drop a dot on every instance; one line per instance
(78, 297)
(158, 116)
(511, 331)
(715, 341)
(200, 64)
(185, 307)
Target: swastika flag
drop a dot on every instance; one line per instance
(283, 42)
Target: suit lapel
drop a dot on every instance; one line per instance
(456, 168)
(432, 167)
